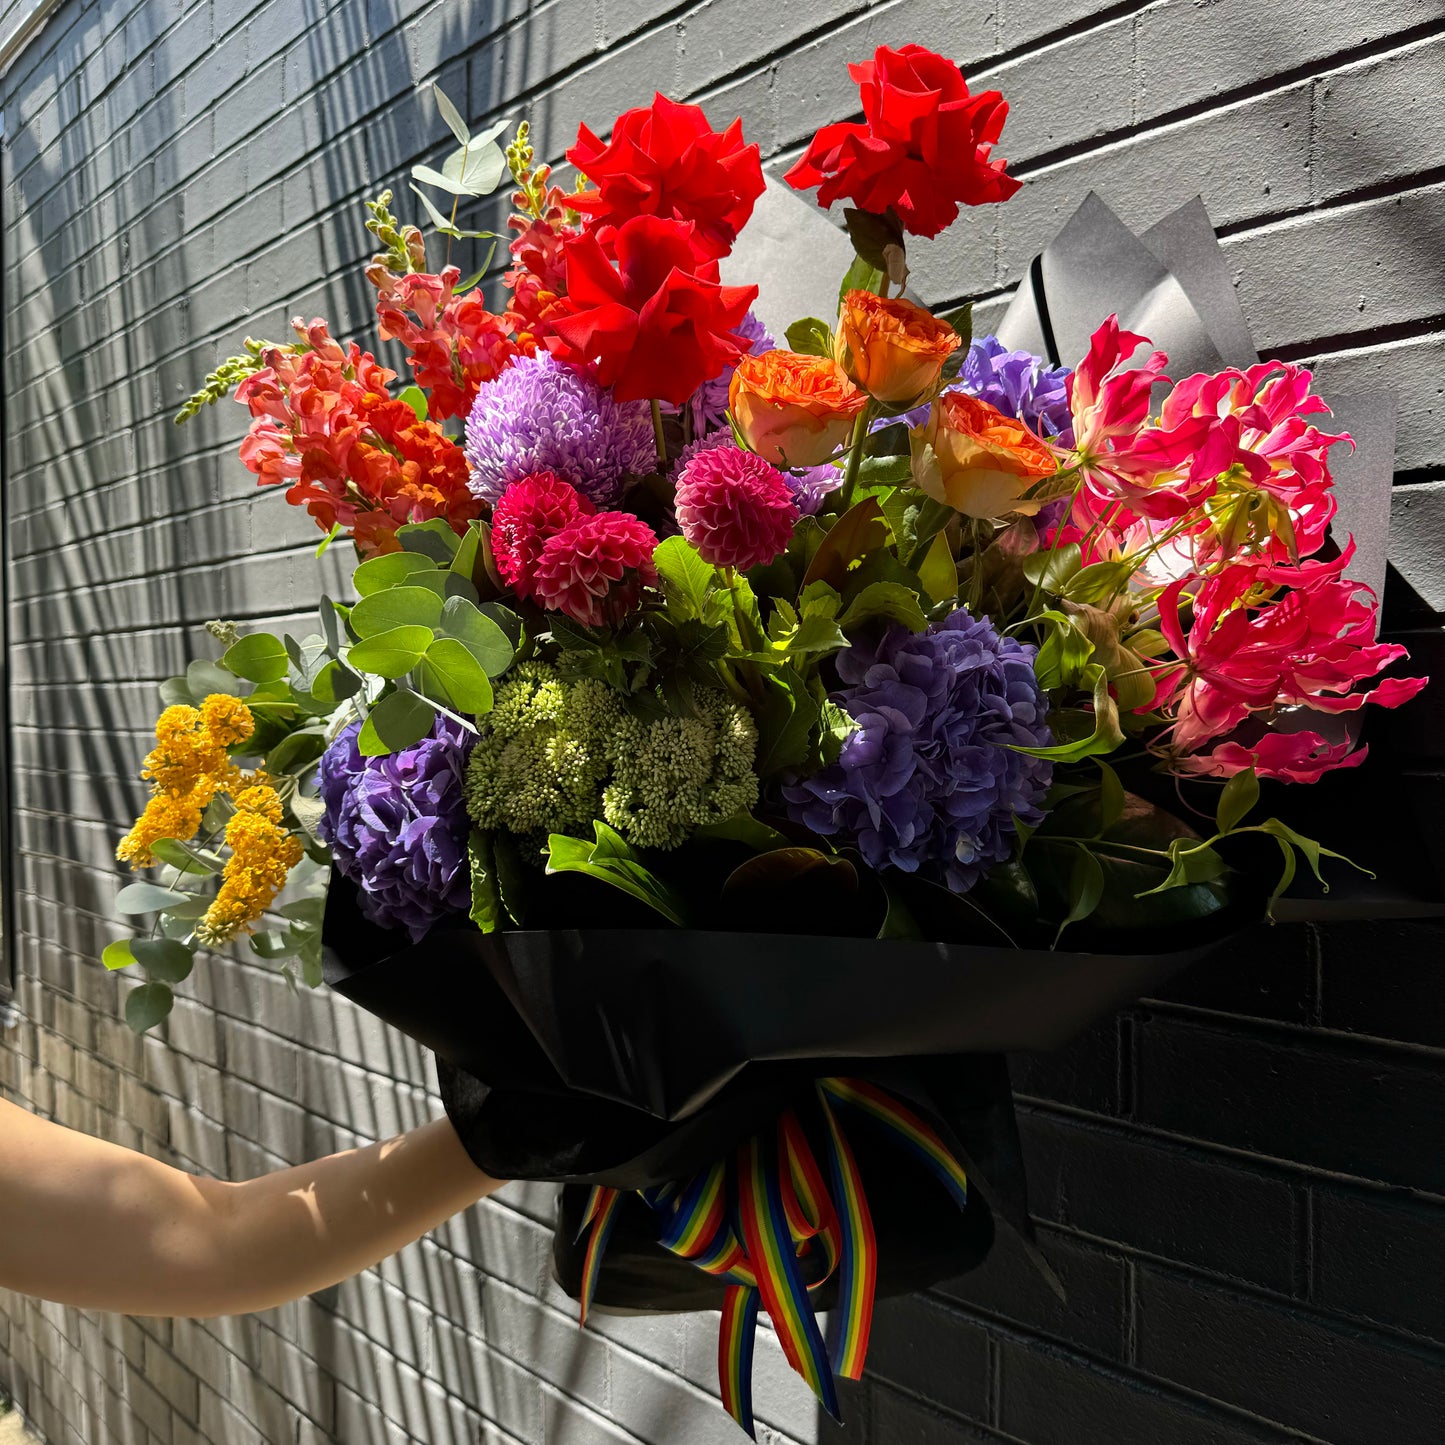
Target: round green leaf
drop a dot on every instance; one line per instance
(185, 857)
(147, 1005)
(397, 721)
(296, 750)
(396, 607)
(164, 960)
(259, 657)
(392, 570)
(205, 678)
(146, 898)
(462, 678)
(118, 954)
(335, 683)
(477, 632)
(393, 653)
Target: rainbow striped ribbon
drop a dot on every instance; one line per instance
(752, 1220)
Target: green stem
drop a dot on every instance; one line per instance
(855, 460)
(1054, 546)
(658, 436)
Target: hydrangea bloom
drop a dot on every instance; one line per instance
(1017, 383)
(542, 416)
(397, 826)
(927, 783)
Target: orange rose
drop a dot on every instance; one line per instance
(893, 349)
(979, 461)
(794, 410)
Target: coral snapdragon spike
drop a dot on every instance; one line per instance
(923, 148)
(658, 325)
(666, 160)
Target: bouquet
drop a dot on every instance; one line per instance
(732, 743)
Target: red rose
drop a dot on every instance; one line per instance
(657, 325)
(923, 146)
(667, 161)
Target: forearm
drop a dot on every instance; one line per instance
(89, 1224)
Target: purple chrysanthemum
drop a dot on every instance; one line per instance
(398, 826)
(927, 783)
(1017, 383)
(542, 416)
(709, 403)
(809, 485)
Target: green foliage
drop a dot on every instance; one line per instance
(810, 337)
(228, 375)
(476, 168)
(611, 860)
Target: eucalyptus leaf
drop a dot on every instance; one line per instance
(186, 857)
(450, 114)
(391, 654)
(147, 898)
(119, 955)
(176, 692)
(463, 679)
(147, 1005)
(335, 683)
(164, 959)
(205, 678)
(434, 539)
(397, 721)
(396, 607)
(484, 638)
(391, 569)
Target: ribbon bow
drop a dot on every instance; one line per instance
(751, 1221)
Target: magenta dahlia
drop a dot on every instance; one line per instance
(530, 511)
(735, 508)
(595, 568)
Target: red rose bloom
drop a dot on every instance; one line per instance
(529, 512)
(595, 568)
(923, 146)
(658, 325)
(668, 161)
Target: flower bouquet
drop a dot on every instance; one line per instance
(729, 748)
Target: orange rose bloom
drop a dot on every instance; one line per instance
(979, 461)
(893, 349)
(794, 410)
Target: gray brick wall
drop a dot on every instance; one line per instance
(1239, 1183)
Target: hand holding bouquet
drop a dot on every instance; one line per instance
(880, 632)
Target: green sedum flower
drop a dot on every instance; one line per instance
(674, 774)
(555, 754)
(540, 763)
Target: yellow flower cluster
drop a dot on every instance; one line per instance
(262, 854)
(187, 768)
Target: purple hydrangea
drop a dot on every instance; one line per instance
(1017, 383)
(398, 826)
(709, 403)
(926, 783)
(542, 416)
(809, 485)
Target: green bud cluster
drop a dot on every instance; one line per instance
(227, 376)
(403, 247)
(556, 754)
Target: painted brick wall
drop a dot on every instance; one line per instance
(1241, 1184)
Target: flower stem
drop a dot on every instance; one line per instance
(855, 460)
(657, 434)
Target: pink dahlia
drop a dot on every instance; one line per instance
(595, 568)
(530, 511)
(735, 508)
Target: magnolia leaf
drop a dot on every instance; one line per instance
(394, 608)
(147, 1005)
(1099, 582)
(397, 721)
(613, 861)
(1237, 800)
(810, 337)
(1052, 570)
(391, 654)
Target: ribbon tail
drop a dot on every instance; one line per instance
(601, 1215)
(736, 1337)
(858, 1264)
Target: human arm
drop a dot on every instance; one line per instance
(88, 1223)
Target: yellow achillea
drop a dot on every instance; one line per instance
(262, 854)
(187, 768)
